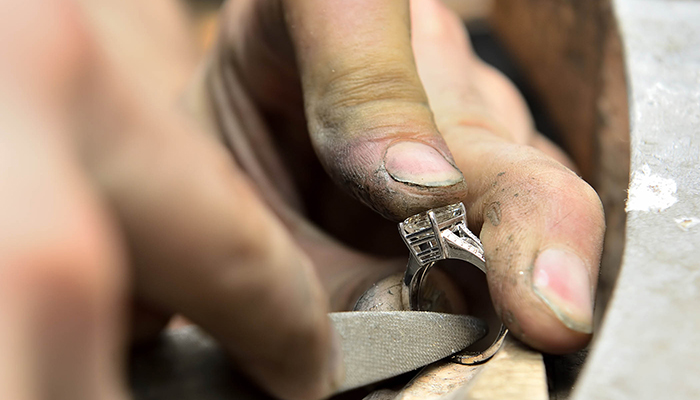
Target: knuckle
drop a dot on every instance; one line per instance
(369, 82)
(362, 92)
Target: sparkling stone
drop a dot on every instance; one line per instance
(416, 223)
(448, 212)
(421, 221)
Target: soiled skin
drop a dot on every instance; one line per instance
(117, 195)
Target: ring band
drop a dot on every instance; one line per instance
(441, 234)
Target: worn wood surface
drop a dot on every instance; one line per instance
(515, 373)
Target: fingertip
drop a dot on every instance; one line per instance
(548, 304)
(394, 174)
(561, 280)
(543, 331)
(562, 320)
(330, 371)
(316, 374)
(543, 235)
(279, 331)
(532, 321)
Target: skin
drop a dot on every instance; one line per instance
(122, 201)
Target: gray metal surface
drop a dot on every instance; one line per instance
(649, 344)
(382, 344)
(186, 364)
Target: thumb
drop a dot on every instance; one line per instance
(368, 115)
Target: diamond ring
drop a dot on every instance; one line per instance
(441, 234)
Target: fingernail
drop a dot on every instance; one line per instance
(335, 362)
(417, 163)
(561, 280)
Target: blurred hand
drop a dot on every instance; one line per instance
(116, 196)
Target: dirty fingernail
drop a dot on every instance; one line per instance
(562, 281)
(417, 163)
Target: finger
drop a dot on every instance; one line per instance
(367, 113)
(62, 276)
(159, 46)
(541, 225)
(204, 245)
(62, 272)
(202, 242)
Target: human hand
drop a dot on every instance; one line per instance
(374, 117)
(112, 176)
(111, 196)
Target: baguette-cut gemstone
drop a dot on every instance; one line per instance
(421, 221)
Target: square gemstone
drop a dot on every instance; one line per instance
(421, 221)
(447, 213)
(416, 223)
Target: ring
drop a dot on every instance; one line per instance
(441, 234)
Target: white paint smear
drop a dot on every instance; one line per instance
(686, 223)
(650, 192)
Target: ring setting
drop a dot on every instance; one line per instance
(441, 234)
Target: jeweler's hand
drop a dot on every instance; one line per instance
(541, 225)
(110, 196)
(399, 145)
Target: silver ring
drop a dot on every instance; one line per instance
(440, 234)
